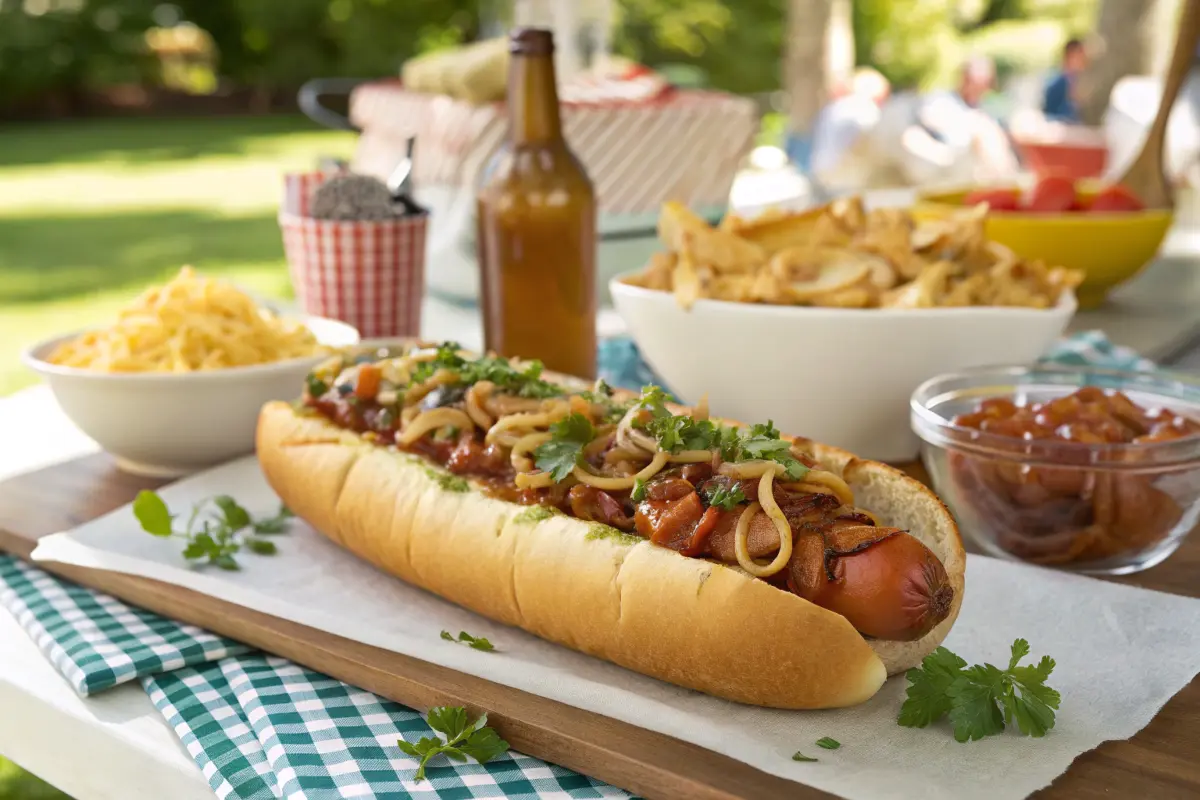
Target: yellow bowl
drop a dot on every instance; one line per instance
(1109, 248)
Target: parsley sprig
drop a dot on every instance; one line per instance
(724, 496)
(564, 451)
(216, 530)
(676, 432)
(601, 394)
(524, 382)
(981, 700)
(475, 642)
(462, 738)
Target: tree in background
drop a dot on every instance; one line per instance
(62, 49)
(813, 59)
(1130, 43)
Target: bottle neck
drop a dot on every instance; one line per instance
(533, 100)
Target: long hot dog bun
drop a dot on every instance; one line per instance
(688, 621)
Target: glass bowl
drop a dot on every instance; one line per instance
(1105, 508)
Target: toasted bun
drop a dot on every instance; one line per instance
(688, 621)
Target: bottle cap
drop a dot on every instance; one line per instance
(531, 42)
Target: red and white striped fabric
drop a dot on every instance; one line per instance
(369, 274)
(679, 145)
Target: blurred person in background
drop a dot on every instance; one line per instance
(842, 159)
(1060, 100)
(945, 137)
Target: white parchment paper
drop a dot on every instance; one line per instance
(1122, 653)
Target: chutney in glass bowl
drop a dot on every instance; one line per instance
(1090, 470)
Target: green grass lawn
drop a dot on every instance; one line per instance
(92, 211)
(17, 784)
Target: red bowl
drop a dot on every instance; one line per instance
(1075, 161)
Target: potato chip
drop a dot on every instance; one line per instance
(843, 256)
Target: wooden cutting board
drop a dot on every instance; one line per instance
(1160, 762)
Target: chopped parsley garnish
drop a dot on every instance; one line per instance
(675, 433)
(983, 699)
(474, 642)
(638, 494)
(602, 395)
(316, 387)
(564, 451)
(724, 496)
(523, 382)
(798, 756)
(826, 743)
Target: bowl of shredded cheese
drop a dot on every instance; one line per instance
(176, 382)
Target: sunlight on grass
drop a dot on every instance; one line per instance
(93, 211)
(16, 784)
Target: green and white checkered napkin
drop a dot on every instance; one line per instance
(261, 727)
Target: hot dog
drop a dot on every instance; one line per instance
(725, 558)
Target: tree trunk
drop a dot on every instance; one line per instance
(819, 48)
(1126, 30)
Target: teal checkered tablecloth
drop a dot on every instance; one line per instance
(261, 727)
(621, 364)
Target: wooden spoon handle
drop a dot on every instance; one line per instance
(1181, 62)
(1146, 176)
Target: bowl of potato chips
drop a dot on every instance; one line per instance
(826, 320)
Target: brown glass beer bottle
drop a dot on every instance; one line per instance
(537, 226)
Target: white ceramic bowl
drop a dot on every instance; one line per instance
(838, 376)
(171, 424)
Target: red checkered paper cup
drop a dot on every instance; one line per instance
(369, 273)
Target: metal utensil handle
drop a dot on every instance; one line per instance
(309, 99)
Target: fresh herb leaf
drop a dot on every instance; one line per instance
(677, 433)
(523, 382)
(929, 687)
(564, 451)
(1020, 649)
(724, 496)
(673, 433)
(315, 386)
(236, 517)
(828, 744)
(601, 390)
(763, 442)
(484, 744)
(638, 493)
(152, 513)
(475, 642)
(462, 738)
(195, 549)
(798, 756)
(601, 394)
(264, 547)
(974, 711)
(217, 528)
(449, 720)
(983, 699)
(227, 562)
(275, 524)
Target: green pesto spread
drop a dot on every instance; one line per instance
(598, 530)
(450, 483)
(535, 514)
